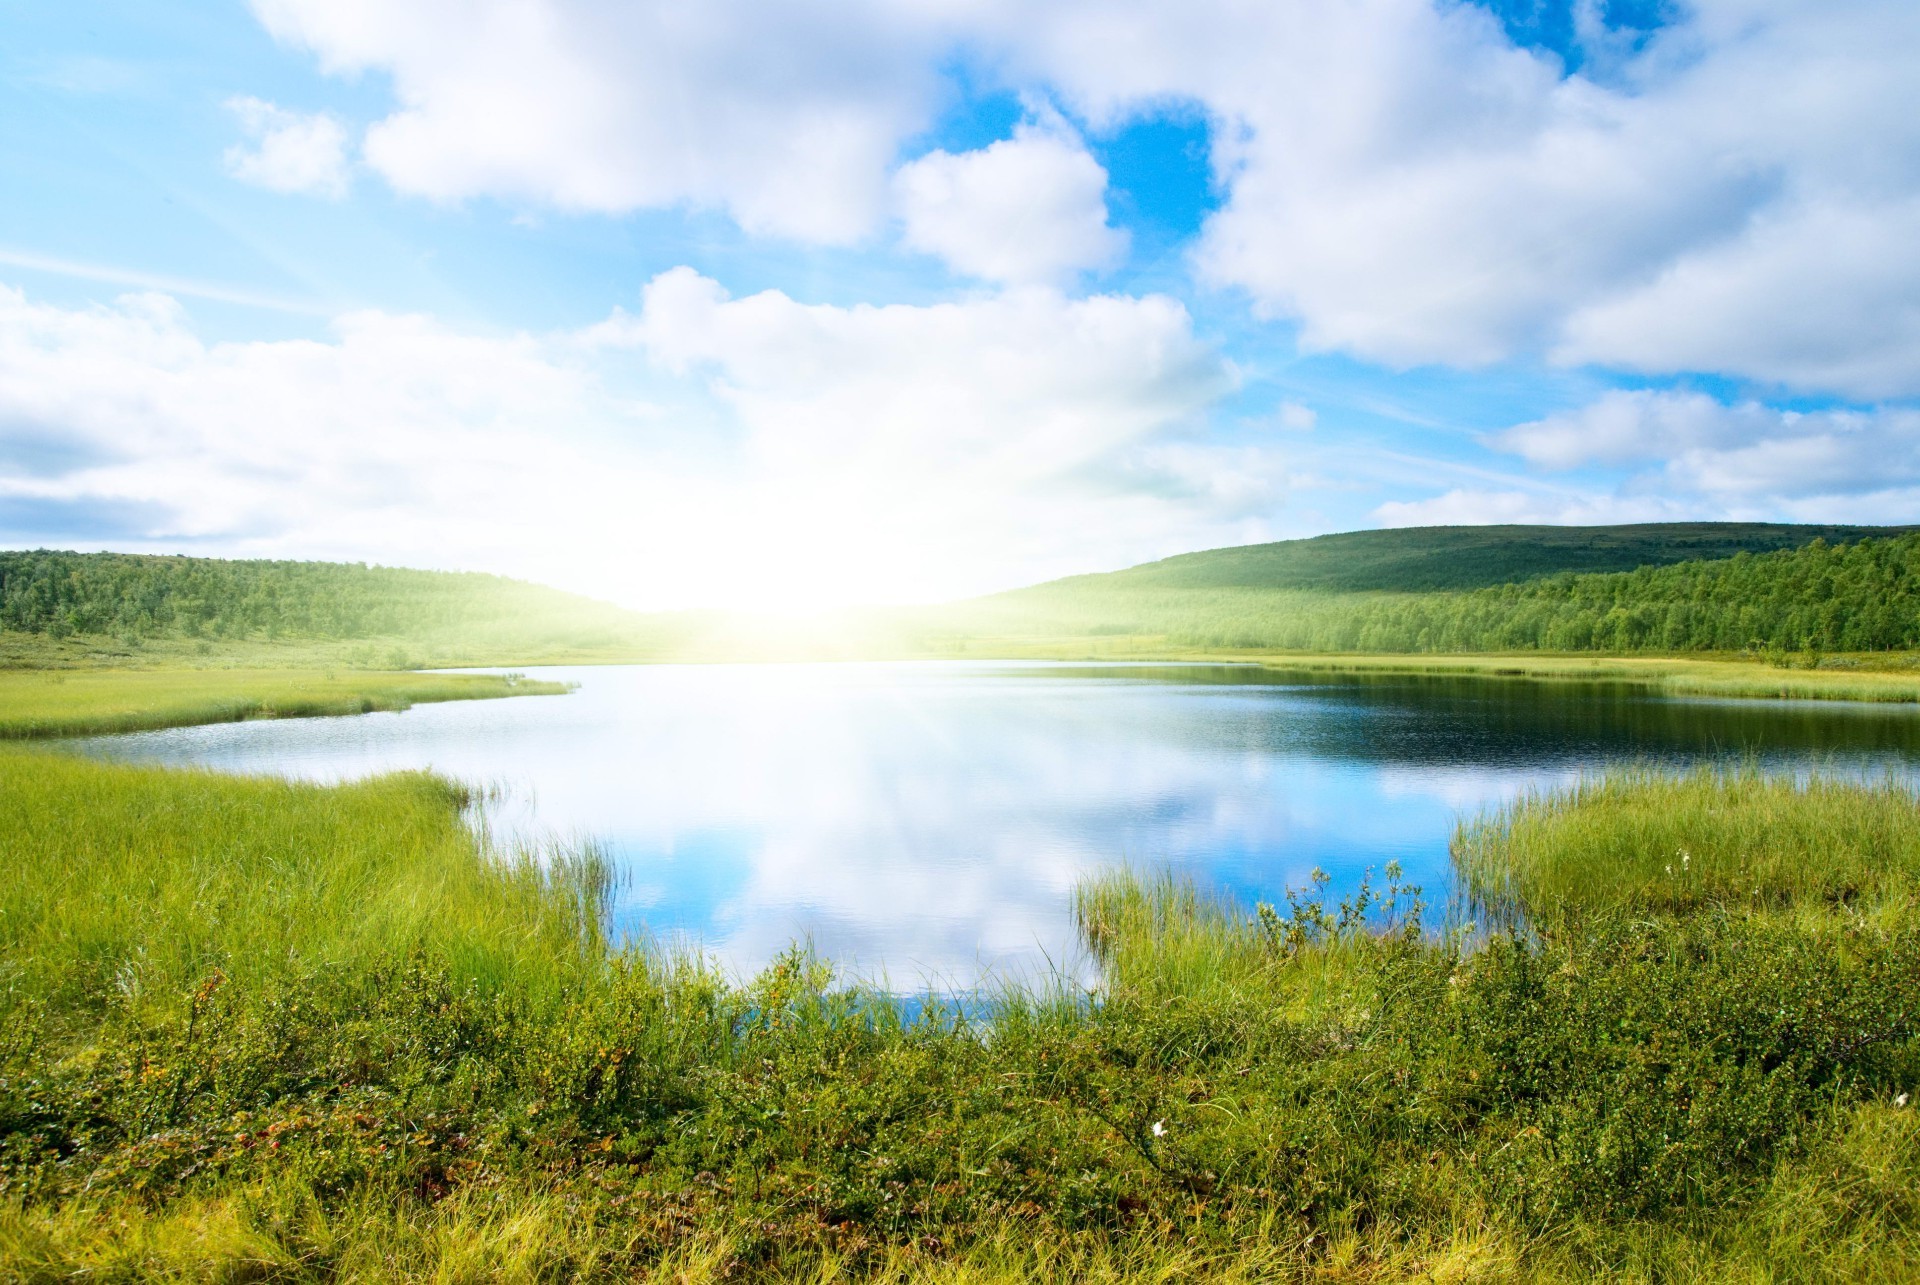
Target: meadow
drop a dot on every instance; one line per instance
(263, 1030)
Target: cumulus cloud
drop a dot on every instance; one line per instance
(948, 429)
(1738, 193)
(1737, 196)
(288, 151)
(1688, 443)
(703, 449)
(1032, 208)
(786, 116)
(1680, 455)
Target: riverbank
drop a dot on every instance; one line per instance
(1874, 677)
(79, 702)
(308, 1032)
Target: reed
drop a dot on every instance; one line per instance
(126, 884)
(1646, 841)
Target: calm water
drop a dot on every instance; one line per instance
(927, 822)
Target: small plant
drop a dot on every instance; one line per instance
(1308, 923)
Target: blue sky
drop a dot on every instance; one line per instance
(872, 300)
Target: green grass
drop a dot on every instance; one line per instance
(130, 884)
(268, 1031)
(1643, 841)
(61, 702)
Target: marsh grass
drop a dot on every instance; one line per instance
(358, 1045)
(1646, 841)
(132, 885)
(56, 702)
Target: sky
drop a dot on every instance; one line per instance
(804, 302)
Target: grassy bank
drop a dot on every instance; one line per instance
(60, 702)
(303, 1033)
(1889, 678)
(1728, 842)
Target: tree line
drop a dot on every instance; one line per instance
(139, 596)
(1863, 596)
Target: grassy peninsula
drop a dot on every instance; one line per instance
(106, 642)
(59, 702)
(345, 1040)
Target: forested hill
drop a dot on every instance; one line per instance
(1863, 596)
(136, 596)
(1417, 559)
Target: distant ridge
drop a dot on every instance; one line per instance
(1425, 559)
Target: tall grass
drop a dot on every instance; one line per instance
(1639, 839)
(125, 882)
(267, 1031)
(42, 703)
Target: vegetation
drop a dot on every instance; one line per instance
(86, 702)
(1643, 842)
(1793, 603)
(118, 608)
(341, 1038)
(1446, 558)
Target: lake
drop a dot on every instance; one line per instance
(925, 823)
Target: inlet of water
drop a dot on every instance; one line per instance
(927, 822)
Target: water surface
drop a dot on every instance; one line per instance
(927, 822)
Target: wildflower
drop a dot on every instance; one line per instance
(1900, 1100)
(1160, 1126)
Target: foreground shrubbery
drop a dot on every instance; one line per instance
(474, 1087)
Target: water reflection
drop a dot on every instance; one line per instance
(929, 821)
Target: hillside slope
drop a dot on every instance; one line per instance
(1422, 559)
(1857, 597)
(210, 605)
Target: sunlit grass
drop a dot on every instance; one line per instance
(129, 884)
(59, 702)
(255, 1030)
(1649, 841)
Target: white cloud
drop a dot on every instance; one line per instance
(1679, 455)
(1297, 418)
(1636, 425)
(1690, 444)
(704, 450)
(1032, 208)
(1467, 506)
(970, 437)
(289, 151)
(1739, 197)
(786, 116)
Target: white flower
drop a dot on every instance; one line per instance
(1900, 1101)
(1160, 1126)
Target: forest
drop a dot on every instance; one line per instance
(137, 597)
(1850, 597)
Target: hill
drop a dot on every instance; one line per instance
(1818, 597)
(53, 601)
(1423, 559)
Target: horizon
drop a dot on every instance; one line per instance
(795, 613)
(874, 304)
